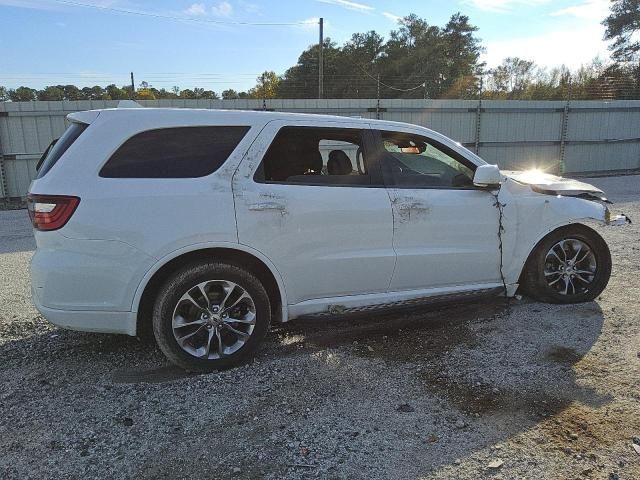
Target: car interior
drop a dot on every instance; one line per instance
(412, 161)
(315, 156)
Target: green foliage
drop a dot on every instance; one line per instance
(23, 94)
(518, 79)
(623, 26)
(266, 86)
(445, 60)
(229, 94)
(417, 60)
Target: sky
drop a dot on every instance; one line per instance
(224, 44)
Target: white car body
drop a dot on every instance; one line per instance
(328, 248)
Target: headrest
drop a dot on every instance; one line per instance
(339, 163)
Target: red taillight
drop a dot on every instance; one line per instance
(51, 212)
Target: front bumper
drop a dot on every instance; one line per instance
(617, 220)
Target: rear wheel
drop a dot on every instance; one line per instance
(570, 265)
(211, 316)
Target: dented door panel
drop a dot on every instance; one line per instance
(326, 241)
(444, 238)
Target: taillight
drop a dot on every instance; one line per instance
(51, 212)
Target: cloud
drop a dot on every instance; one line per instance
(249, 7)
(222, 9)
(392, 17)
(361, 7)
(196, 10)
(502, 6)
(588, 10)
(311, 23)
(570, 46)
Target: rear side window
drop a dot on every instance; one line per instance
(185, 152)
(316, 156)
(57, 148)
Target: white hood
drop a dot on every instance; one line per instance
(553, 185)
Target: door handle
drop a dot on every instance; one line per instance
(264, 206)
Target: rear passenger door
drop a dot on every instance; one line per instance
(310, 196)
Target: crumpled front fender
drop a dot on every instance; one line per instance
(530, 216)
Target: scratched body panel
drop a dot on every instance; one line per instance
(326, 240)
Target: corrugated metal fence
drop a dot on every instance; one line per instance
(570, 137)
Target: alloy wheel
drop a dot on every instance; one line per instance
(570, 267)
(214, 319)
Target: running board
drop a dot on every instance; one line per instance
(414, 302)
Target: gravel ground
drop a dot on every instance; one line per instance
(486, 390)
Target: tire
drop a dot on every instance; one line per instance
(182, 310)
(546, 277)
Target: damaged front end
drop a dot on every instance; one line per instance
(548, 184)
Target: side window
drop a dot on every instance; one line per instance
(184, 152)
(56, 149)
(412, 160)
(310, 155)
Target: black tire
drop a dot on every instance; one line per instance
(183, 281)
(533, 280)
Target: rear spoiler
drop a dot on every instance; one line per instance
(85, 117)
(89, 116)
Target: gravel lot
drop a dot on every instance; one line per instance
(532, 390)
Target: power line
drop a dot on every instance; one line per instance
(172, 17)
(377, 79)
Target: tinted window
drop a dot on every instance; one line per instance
(57, 148)
(412, 160)
(185, 152)
(311, 155)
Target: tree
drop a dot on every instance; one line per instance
(95, 93)
(23, 94)
(229, 94)
(187, 93)
(145, 94)
(115, 93)
(623, 25)
(71, 92)
(51, 93)
(4, 94)
(463, 51)
(513, 76)
(301, 80)
(266, 86)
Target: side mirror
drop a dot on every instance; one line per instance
(487, 176)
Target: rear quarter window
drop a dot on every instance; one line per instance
(57, 148)
(183, 152)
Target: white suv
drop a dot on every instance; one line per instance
(205, 225)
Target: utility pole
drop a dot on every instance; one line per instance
(321, 59)
(378, 104)
(133, 88)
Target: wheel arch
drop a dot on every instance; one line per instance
(586, 223)
(237, 254)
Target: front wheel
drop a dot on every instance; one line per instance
(211, 316)
(570, 265)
